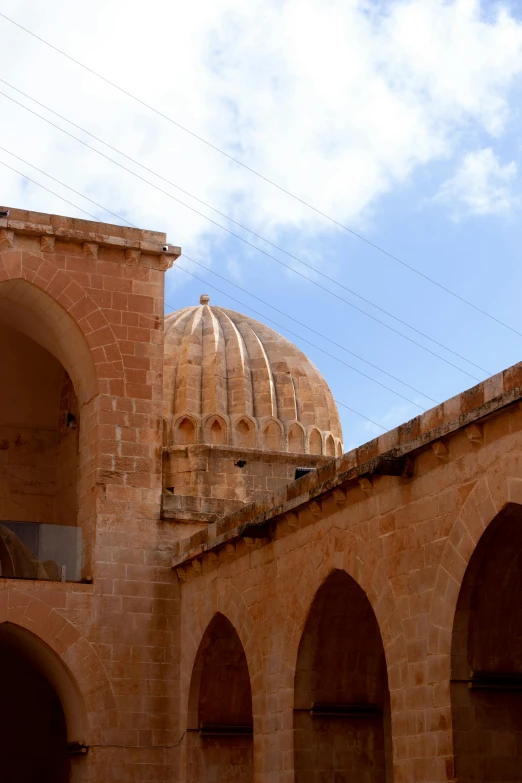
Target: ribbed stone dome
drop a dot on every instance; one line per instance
(230, 380)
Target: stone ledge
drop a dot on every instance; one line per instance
(474, 404)
(79, 231)
(237, 452)
(189, 508)
(41, 585)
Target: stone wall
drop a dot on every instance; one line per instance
(403, 523)
(361, 588)
(206, 482)
(92, 295)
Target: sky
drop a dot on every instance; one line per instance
(397, 121)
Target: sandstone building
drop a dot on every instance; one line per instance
(175, 607)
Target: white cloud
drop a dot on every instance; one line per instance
(337, 101)
(481, 186)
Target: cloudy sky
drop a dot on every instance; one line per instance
(399, 121)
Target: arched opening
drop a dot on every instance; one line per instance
(220, 709)
(330, 446)
(316, 442)
(486, 672)
(186, 432)
(216, 432)
(341, 701)
(272, 436)
(39, 444)
(339, 449)
(295, 439)
(49, 408)
(37, 692)
(245, 434)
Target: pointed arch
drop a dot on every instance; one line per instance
(43, 303)
(486, 655)
(296, 438)
(273, 435)
(39, 655)
(341, 673)
(185, 430)
(245, 433)
(220, 707)
(329, 446)
(315, 442)
(65, 658)
(216, 430)
(32, 311)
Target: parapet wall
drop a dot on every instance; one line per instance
(204, 482)
(389, 454)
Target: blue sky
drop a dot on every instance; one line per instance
(400, 120)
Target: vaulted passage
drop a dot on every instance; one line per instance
(220, 745)
(486, 689)
(341, 717)
(33, 737)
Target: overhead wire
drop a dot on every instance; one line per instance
(281, 326)
(271, 182)
(242, 226)
(242, 239)
(323, 336)
(230, 282)
(81, 209)
(360, 372)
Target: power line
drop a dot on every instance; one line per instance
(323, 336)
(280, 326)
(242, 226)
(3, 163)
(360, 372)
(249, 293)
(338, 402)
(59, 182)
(262, 176)
(242, 239)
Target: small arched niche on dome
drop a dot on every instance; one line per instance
(215, 431)
(295, 439)
(316, 442)
(330, 447)
(339, 449)
(245, 434)
(185, 431)
(272, 436)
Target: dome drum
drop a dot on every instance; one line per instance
(243, 407)
(267, 434)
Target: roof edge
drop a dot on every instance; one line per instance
(486, 398)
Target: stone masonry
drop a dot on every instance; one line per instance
(361, 623)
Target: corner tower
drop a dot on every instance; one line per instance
(243, 407)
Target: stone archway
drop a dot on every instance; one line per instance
(342, 703)
(44, 716)
(43, 313)
(55, 647)
(486, 657)
(220, 719)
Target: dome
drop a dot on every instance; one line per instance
(230, 380)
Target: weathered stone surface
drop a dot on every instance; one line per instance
(361, 621)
